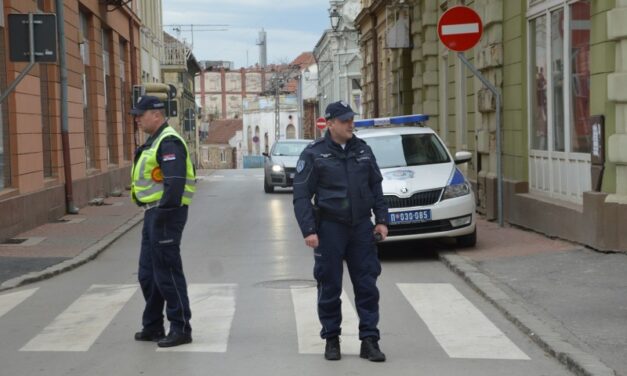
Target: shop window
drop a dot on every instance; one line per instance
(560, 85)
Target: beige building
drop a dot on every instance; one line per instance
(557, 64)
(151, 39)
(41, 175)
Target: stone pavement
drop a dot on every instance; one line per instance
(570, 300)
(65, 244)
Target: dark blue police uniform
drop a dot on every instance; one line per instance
(160, 267)
(346, 184)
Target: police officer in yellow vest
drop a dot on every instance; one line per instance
(163, 183)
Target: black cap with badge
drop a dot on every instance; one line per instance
(339, 110)
(145, 103)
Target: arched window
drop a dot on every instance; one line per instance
(290, 132)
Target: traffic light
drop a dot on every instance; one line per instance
(165, 92)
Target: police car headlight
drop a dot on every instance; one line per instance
(277, 168)
(456, 190)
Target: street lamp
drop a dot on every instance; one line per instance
(334, 16)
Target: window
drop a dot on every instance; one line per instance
(126, 130)
(5, 161)
(559, 99)
(290, 132)
(90, 151)
(538, 84)
(580, 128)
(222, 155)
(560, 85)
(109, 97)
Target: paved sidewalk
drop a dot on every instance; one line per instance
(60, 246)
(569, 299)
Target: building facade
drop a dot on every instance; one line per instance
(179, 68)
(260, 123)
(339, 60)
(558, 67)
(222, 92)
(102, 50)
(150, 12)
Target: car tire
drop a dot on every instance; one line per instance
(267, 187)
(467, 241)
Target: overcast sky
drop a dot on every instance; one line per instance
(292, 27)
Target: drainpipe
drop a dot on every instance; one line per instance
(375, 62)
(133, 58)
(65, 138)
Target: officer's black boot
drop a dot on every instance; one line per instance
(370, 350)
(175, 339)
(150, 335)
(332, 350)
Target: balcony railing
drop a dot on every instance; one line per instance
(175, 54)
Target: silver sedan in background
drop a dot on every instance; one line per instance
(280, 163)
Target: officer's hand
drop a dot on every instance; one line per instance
(381, 229)
(312, 240)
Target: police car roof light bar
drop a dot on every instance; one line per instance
(394, 120)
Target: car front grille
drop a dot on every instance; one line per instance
(420, 228)
(417, 199)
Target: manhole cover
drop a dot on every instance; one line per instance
(288, 284)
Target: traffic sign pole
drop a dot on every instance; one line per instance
(460, 29)
(499, 172)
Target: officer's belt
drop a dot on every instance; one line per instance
(326, 216)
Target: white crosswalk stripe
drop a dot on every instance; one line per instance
(308, 325)
(78, 327)
(13, 299)
(213, 308)
(460, 328)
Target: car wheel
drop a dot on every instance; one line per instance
(267, 187)
(467, 241)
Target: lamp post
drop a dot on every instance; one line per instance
(335, 17)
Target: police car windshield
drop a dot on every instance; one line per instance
(289, 149)
(407, 150)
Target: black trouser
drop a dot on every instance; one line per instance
(356, 245)
(161, 270)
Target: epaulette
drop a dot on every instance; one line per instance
(315, 142)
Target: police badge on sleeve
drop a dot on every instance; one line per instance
(300, 166)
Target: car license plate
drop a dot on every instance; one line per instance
(410, 216)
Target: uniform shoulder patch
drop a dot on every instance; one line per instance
(300, 166)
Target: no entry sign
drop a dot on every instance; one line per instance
(460, 28)
(321, 123)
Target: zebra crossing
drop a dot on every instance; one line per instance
(459, 328)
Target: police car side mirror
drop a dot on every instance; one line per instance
(462, 157)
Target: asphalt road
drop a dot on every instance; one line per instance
(253, 306)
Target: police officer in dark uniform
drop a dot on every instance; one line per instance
(340, 171)
(163, 183)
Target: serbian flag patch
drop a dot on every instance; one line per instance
(169, 157)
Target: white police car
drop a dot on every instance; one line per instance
(427, 195)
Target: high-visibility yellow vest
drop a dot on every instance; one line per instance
(146, 176)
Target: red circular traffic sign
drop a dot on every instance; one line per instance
(321, 123)
(460, 28)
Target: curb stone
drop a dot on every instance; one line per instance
(87, 255)
(576, 360)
